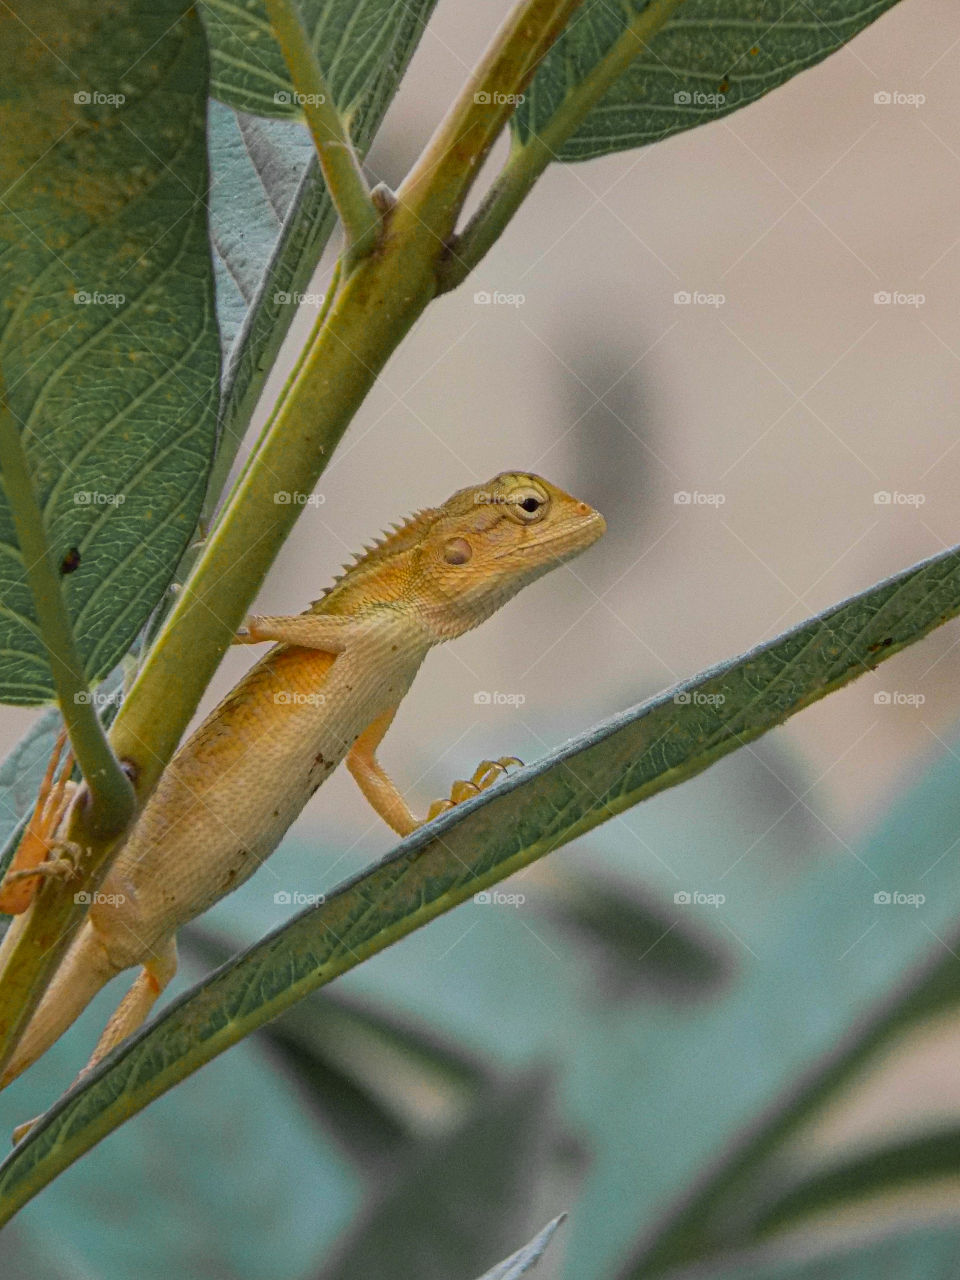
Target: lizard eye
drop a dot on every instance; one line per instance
(457, 551)
(529, 506)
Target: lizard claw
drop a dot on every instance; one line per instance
(485, 775)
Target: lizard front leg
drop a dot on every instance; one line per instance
(329, 632)
(380, 790)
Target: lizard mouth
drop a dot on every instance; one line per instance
(570, 537)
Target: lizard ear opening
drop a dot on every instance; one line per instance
(457, 551)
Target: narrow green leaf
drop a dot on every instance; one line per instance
(929, 1254)
(710, 58)
(108, 336)
(525, 1259)
(633, 756)
(897, 1167)
(351, 1058)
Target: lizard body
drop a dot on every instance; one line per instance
(325, 693)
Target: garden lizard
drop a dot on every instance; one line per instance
(326, 692)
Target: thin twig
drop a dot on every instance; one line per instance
(112, 798)
(341, 168)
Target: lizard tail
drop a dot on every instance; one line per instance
(84, 971)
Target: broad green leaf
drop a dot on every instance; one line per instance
(108, 337)
(525, 1259)
(462, 1197)
(638, 753)
(363, 47)
(709, 58)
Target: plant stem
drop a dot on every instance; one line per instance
(112, 799)
(438, 183)
(528, 160)
(341, 169)
(374, 309)
(288, 386)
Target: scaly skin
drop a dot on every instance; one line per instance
(327, 692)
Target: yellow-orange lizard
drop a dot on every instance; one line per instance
(326, 692)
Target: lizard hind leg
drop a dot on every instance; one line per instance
(32, 859)
(83, 972)
(132, 1010)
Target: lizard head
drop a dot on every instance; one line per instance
(488, 541)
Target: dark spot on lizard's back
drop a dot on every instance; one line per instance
(318, 758)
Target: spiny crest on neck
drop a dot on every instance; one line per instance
(380, 571)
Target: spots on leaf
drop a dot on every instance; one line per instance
(70, 561)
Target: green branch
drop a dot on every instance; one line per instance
(341, 169)
(435, 188)
(528, 160)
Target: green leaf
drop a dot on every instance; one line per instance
(633, 756)
(256, 168)
(896, 1167)
(363, 47)
(710, 58)
(352, 1059)
(108, 337)
(525, 1259)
